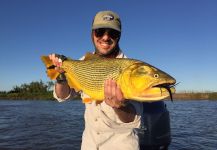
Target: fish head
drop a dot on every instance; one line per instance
(146, 83)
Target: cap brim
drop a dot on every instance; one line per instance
(104, 26)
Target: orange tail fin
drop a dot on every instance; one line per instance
(51, 72)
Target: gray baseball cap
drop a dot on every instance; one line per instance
(107, 19)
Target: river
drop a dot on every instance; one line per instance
(43, 125)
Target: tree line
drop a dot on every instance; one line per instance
(34, 90)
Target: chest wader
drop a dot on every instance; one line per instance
(154, 133)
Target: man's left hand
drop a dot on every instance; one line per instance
(113, 94)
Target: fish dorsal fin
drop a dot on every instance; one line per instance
(90, 56)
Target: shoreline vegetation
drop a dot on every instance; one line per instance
(38, 90)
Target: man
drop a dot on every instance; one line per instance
(111, 123)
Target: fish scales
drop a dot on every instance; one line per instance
(91, 74)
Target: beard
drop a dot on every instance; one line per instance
(111, 53)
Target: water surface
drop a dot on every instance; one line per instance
(42, 125)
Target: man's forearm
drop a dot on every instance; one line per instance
(62, 90)
(126, 113)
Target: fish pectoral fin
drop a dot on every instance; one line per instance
(87, 100)
(51, 72)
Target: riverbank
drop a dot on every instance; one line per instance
(49, 96)
(197, 96)
(27, 96)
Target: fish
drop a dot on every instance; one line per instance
(138, 80)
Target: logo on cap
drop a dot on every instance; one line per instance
(108, 17)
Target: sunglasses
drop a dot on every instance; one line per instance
(112, 33)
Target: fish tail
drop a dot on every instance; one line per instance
(52, 73)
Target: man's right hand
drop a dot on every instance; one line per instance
(62, 88)
(57, 62)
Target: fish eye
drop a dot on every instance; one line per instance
(156, 75)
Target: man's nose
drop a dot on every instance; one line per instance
(106, 36)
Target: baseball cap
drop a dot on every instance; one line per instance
(107, 19)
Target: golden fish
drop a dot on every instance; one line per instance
(138, 80)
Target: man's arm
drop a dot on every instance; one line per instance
(114, 98)
(62, 88)
(126, 113)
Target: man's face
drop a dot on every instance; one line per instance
(105, 40)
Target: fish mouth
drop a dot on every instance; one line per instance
(157, 92)
(168, 87)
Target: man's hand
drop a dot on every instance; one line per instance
(57, 62)
(113, 94)
(114, 98)
(62, 88)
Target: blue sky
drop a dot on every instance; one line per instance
(177, 36)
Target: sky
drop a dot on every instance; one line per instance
(176, 36)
